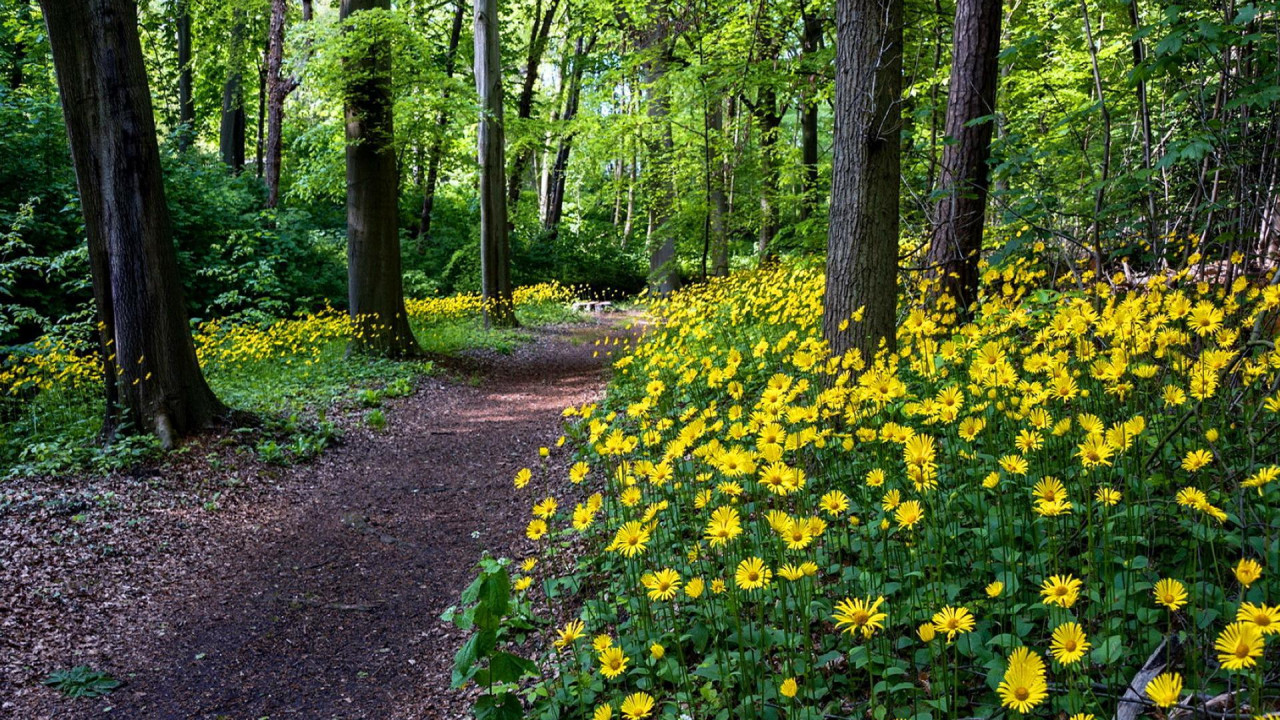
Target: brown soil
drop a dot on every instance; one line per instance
(317, 592)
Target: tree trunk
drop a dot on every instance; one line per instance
(556, 182)
(956, 243)
(538, 35)
(862, 241)
(442, 125)
(153, 380)
(664, 273)
(811, 44)
(495, 248)
(278, 89)
(375, 287)
(719, 201)
(186, 105)
(261, 117)
(231, 134)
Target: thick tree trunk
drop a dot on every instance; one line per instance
(278, 89)
(186, 105)
(538, 35)
(664, 273)
(231, 135)
(495, 248)
(442, 125)
(862, 241)
(956, 243)
(769, 120)
(375, 287)
(153, 379)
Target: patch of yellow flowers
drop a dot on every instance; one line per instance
(1010, 514)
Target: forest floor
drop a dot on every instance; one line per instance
(312, 591)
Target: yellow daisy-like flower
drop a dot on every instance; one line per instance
(630, 539)
(662, 585)
(953, 621)
(1068, 643)
(858, 615)
(613, 662)
(569, 633)
(1248, 571)
(603, 712)
(1265, 617)
(694, 587)
(834, 503)
(523, 476)
(1239, 646)
(657, 651)
(1170, 593)
(1196, 459)
(601, 642)
(1060, 590)
(1107, 496)
(1023, 686)
(546, 508)
(791, 572)
(637, 706)
(1165, 689)
(908, 514)
(537, 529)
(994, 589)
(789, 688)
(927, 632)
(752, 574)
(724, 526)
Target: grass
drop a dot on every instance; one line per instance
(56, 431)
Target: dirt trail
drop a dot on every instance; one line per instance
(328, 605)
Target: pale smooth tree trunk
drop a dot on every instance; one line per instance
(495, 246)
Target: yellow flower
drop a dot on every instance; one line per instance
(523, 476)
(630, 539)
(637, 706)
(1196, 459)
(546, 508)
(657, 651)
(1247, 571)
(1107, 496)
(725, 525)
(661, 585)
(1239, 645)
(994, 589)
(908, 514)
(1068, 643)
(603, 712)
(953, 621)
(834, 503)
(752, 574)
(612, 662)
(536, 530)
(856, 614)
(1170, 593)
(1060, 590)
(601, 642)
(1265, 617)
(694, 587)
(1023, 686)
(570, 632)
(1165, 689)
(789, 688)
(927, 632)
(791, 572)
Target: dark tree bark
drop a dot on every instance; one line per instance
(538, 35)
(436, 154)
(664, 274)
(186, 105)
(152, 378)
(556, 184)
(718, 169)
(231, 135)
(956, 243)
(278, 88)
(495, 247)
(374, 282)
(261, 116)
(862, 241)
(769, 119)
(810, 44)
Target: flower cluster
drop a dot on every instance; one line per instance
(1008, 514)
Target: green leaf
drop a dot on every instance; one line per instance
(505, 667)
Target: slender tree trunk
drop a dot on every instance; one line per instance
(862, 242)
(1144, 117)
(956, 243)
(374, 282)
(495, 248)
(538, 35)
(770, 121)
(811, 43)
(231, 135)
(186, 105)
(278, 88)
(261, 117)
(556, 184)
(718, 201)
(436, 154)
(153, 380)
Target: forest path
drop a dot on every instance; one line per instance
(328, 605)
